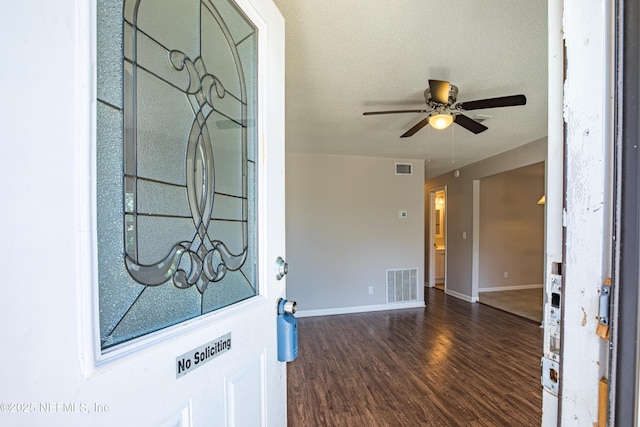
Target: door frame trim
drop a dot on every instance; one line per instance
(432, 233)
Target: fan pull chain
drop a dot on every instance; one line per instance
(453, 145)
(428, 139)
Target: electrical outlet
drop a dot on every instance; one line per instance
(506, 274)
(370, 290)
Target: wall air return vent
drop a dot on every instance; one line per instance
(402, 285)
(403, 168)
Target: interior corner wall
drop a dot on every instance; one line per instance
(344, 228)
(512, 230)
(460, 209)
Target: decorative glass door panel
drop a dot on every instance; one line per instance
(176, 163)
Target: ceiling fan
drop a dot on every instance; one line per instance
(441, 97)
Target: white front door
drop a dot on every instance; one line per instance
(148, 217)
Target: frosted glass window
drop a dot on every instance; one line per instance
(176, 189)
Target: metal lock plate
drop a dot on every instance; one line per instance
(550, 375)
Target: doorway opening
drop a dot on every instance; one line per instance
(510, 241)
(438, 238)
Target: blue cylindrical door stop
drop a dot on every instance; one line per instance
(287, 332)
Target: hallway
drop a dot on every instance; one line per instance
(453, 363)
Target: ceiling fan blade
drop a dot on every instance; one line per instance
(370, 113)
(422, 123)
(469, 124)
(503, 101)
(439, 91)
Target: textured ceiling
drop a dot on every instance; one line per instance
(344, 57)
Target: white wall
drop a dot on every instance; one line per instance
(460, 209)
(344, 230)
(511, 230)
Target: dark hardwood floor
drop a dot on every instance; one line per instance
(451, 364)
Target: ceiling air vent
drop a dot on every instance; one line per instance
(403, 168)
(480, 118)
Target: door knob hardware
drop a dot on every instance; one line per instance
(282, 268)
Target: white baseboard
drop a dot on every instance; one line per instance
(360, 309)
(509, 288)
(464, 297)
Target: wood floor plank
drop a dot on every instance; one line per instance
(450, 364)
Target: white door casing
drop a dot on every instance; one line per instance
(431, 250)
(53, 370)
(589, 181)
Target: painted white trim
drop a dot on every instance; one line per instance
(510, 288)
(475, 242)
(446, 237)
(358, 309)
(587, 115)
(431, 255)
(463, 297)
(431, 259)
(554, 191)
(86, 173)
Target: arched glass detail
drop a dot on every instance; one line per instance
(176, 162)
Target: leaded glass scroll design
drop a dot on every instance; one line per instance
(176, 162)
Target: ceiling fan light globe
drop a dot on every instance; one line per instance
(440, 121)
